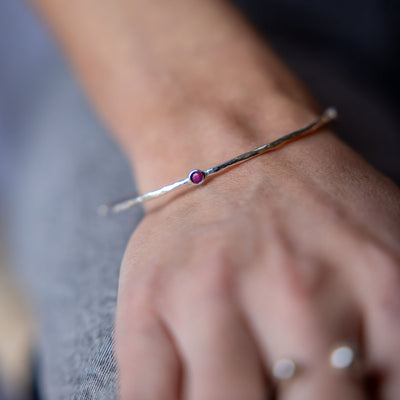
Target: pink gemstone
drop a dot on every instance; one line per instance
(197, 177)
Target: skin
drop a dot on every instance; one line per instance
(286, 255)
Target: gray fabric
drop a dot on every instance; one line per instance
(26, 52)
(68, 255)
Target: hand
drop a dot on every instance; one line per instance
(285, 256)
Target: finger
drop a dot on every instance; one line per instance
(321, 383)
(221, 361)
(302, 319)
(381, 299)
(383, 354)
(147, 358)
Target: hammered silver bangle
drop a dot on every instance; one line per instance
(197, 176)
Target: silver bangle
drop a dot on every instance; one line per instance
(197, 176)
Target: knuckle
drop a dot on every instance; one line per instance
(134, 318)
(386, 281)
(388, 302)
(300, 280)
(385, 264)
(215, 276)
(140, 298)
(136, 313)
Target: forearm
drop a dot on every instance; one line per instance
(178, 77)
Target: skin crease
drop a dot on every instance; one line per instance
(286, 255)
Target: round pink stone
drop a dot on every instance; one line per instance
(197, 177)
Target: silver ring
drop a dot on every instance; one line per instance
(284, 369)
(342, 357)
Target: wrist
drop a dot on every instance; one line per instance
(203, 138)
